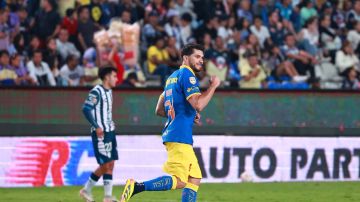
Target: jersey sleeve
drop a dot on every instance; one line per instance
(92, 100)
(189, 84)
(90, 103)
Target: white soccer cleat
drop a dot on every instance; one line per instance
(86, 196)
(110, 199)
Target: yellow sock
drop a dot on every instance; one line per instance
(191, 186)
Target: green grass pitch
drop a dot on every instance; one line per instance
(234, 192)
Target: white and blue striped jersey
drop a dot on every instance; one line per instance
(99, 101)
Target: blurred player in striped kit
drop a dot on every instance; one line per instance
(98, 111)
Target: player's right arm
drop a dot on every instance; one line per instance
(200, 101)
(160, 109)
(88, 107)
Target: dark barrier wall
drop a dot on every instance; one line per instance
(58, 111)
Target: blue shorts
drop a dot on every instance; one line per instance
(105, 149)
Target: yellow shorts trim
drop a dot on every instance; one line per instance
(174, 179)
(181, 161)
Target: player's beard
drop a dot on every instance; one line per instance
(193, 67)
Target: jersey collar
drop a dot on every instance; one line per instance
(187, 67)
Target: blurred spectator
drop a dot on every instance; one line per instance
(131, 81)
(260, 31)
(230, 7)
(252, 45)
(185, 6)
(226, 31)
(33, 46)
(253, 75)
(210, 26)
(7, 74)
(244, 10)
(185, 28)
(101, 12)
(40, 71)
(218, 8)
(244, 29)
(72, 73)
(86, 29)
(328, 37)
(64, 47)
(140, 79)
(279, 66)
(206, 42)
(172, 28)
(47, 21)
(262, 8)
(309, 36)
(158, 59)
(5, 30)
(90, 68)
(156, 6)
(116, 62)
(52, 58)
(351, 81)
(338, 20)
(218, 60)
(354, 15)
(126, 17)
(151, 30)
(354, 38)
(23, 77)
(174, 53)
(285, 9)
(302, 60)
(128, 6)
(32, 7)
(70, 23)
(307, 11)
(18, 45)
(276, 29)
(24, 24)
(346, 59)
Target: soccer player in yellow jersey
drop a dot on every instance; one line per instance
(181, 102)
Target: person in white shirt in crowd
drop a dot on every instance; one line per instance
(172, 28)
(72, 73)
(354, 38)
(40, 71)
(346, 59)
(226, 30)
(260, 31)
(185, 28)
(309, 36)
(328, 37)
(64, 46)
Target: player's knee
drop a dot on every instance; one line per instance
(180, 184)
(107, 167)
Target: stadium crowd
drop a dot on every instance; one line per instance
(275, 44)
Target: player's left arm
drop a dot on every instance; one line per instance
(160, 109)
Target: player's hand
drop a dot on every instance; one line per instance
(197, 119)
(214, 81)
(100, 133)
